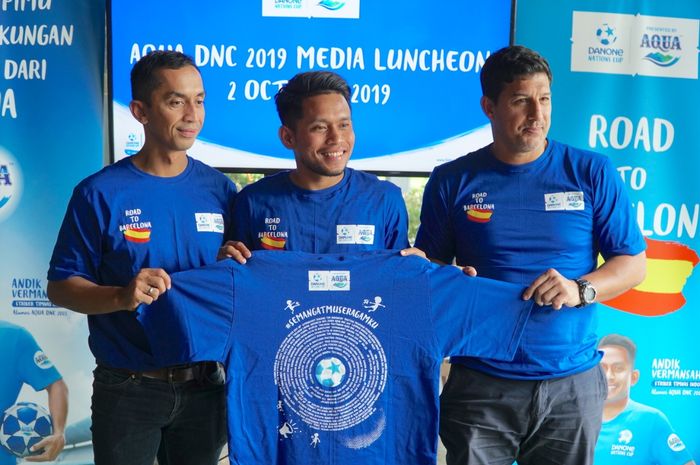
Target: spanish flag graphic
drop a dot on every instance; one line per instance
(478, 215)
(139, 235)
(272, 243)
(669, 265)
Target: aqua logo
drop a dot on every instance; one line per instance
(339, 281)
(42, 361)
(10, 184)
(606, 35)
(332, 5)
(675, 443)
(663, 44)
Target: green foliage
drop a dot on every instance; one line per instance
(414, 198)
(243, 179)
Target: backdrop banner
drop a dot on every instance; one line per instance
(51, 59)
(413, 69)
(626, 84)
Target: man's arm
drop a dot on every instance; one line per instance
(58, 408)
(615, 276)
(81, 295)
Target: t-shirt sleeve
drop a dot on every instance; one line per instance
(615, 225)
(396, 224)
(192, 320)
(435, 235)
(78, 247)
(667, 447)
(34, 367)
(476, 317)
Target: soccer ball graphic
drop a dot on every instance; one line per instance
(606, 34)
(23, 425)
(330, 372)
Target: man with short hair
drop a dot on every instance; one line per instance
(535, 212)
(321, 206)
(632, 433)
(126, 229)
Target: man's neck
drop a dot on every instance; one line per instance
(162, 164)
(314, 183)
(517, 158)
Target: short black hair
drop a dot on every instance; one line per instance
(508, 64)
(291, 96)
(144, 79)
(620, 341)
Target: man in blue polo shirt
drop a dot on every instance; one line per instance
(333, 359)
(529, 210)
(321, 206)
(23, 362)
(632, 433)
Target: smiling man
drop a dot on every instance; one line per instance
(532, 211)
(632, 433)
(321, 206)
(127, 228)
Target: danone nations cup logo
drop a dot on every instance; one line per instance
(669, 265)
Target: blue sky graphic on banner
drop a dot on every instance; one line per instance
(413, 70)
(51, 57)
(626, 84)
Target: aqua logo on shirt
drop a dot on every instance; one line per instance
(340, 279)
(675, 443)
(42, 361)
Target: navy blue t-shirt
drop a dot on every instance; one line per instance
(333, 358)
(358, 214)
(120, 220)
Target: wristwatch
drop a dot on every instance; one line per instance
(586, 292)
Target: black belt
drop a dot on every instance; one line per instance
(175, 374)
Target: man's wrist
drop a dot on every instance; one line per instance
(587, 293)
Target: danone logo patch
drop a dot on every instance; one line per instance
(354, 234)
(564, 201)
(324, 280)
(209, 222)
